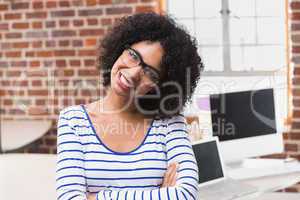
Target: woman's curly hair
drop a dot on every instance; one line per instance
(180, 63)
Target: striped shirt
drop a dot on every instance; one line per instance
(86, 165)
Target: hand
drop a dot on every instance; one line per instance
(91, 196)
(170, 176)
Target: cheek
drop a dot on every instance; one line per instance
(144, 88)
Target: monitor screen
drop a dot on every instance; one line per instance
(208, 160)
(245, 114)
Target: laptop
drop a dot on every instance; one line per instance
(213, 181)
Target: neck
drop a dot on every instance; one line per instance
(120, 105)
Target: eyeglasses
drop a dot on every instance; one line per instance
(133, 58)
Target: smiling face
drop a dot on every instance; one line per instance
(134, 69)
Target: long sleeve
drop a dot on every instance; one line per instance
(70, 174)
(179, 150)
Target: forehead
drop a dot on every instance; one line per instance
(151, 52)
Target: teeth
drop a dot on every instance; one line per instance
(125, 81)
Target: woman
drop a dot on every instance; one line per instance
(150, 67)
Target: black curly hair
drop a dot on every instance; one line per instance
(180, 63)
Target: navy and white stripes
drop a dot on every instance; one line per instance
(86, 165)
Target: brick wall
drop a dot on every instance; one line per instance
(48, 53)
(47, 59)
(292, 137)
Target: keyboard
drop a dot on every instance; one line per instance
(246, 173)
(225, 190)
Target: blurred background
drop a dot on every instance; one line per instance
(48, 52)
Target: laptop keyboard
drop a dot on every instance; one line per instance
(225, 190)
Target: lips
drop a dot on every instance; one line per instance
(124, 82)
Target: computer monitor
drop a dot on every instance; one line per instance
(246, 124)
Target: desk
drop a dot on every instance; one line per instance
(269, 184)
(279, 196)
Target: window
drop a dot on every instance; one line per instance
(242, 44)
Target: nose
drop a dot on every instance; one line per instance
(135, 73)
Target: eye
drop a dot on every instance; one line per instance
(133, 56)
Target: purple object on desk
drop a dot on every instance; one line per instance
(203, 103)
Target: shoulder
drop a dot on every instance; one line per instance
(72, 115)
(71, 110)
(176, 121)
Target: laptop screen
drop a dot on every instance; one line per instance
(208, 160)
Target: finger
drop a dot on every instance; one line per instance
(170, 172)
(166, 176)
(173, 177)
(174, 180)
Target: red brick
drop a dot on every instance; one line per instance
(50, 43)
(34, 63)
(142, 9)
(36, 15)
(90, 42)
(75, 63)
(89, 62)
(90, 12)
(296, 114)
(64, 53)
(64, 4)
(87, 53)
(3, 64)
(13, 35)
(37, 44)
(295, 5)
(37, 25)
(64, 23)
(61, 63)
(65, 72)
(296, 92)
(78, 22)
(77, 43)
(20, 45)
(10, 16)
(63, 33)
(13, 73)
(63, 13)
(22, 83)
(38, 5)
(29, 54)
(91, 32)
(51, 4)
(291, 147)
(294, 136)
(19, 63)
(37, 73)
(44, 54)
(92, 22)
(13, 54)
(7, 102)
(20, 25)
(20, 5)
(50, 24)
(3, 7)
(88, 72)
(118, 10)
(40, 110)
(91, 2)
(38, 92)
(4, 27)
(105, 2)
(106, 21)
(36, 83)
(64, 43)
